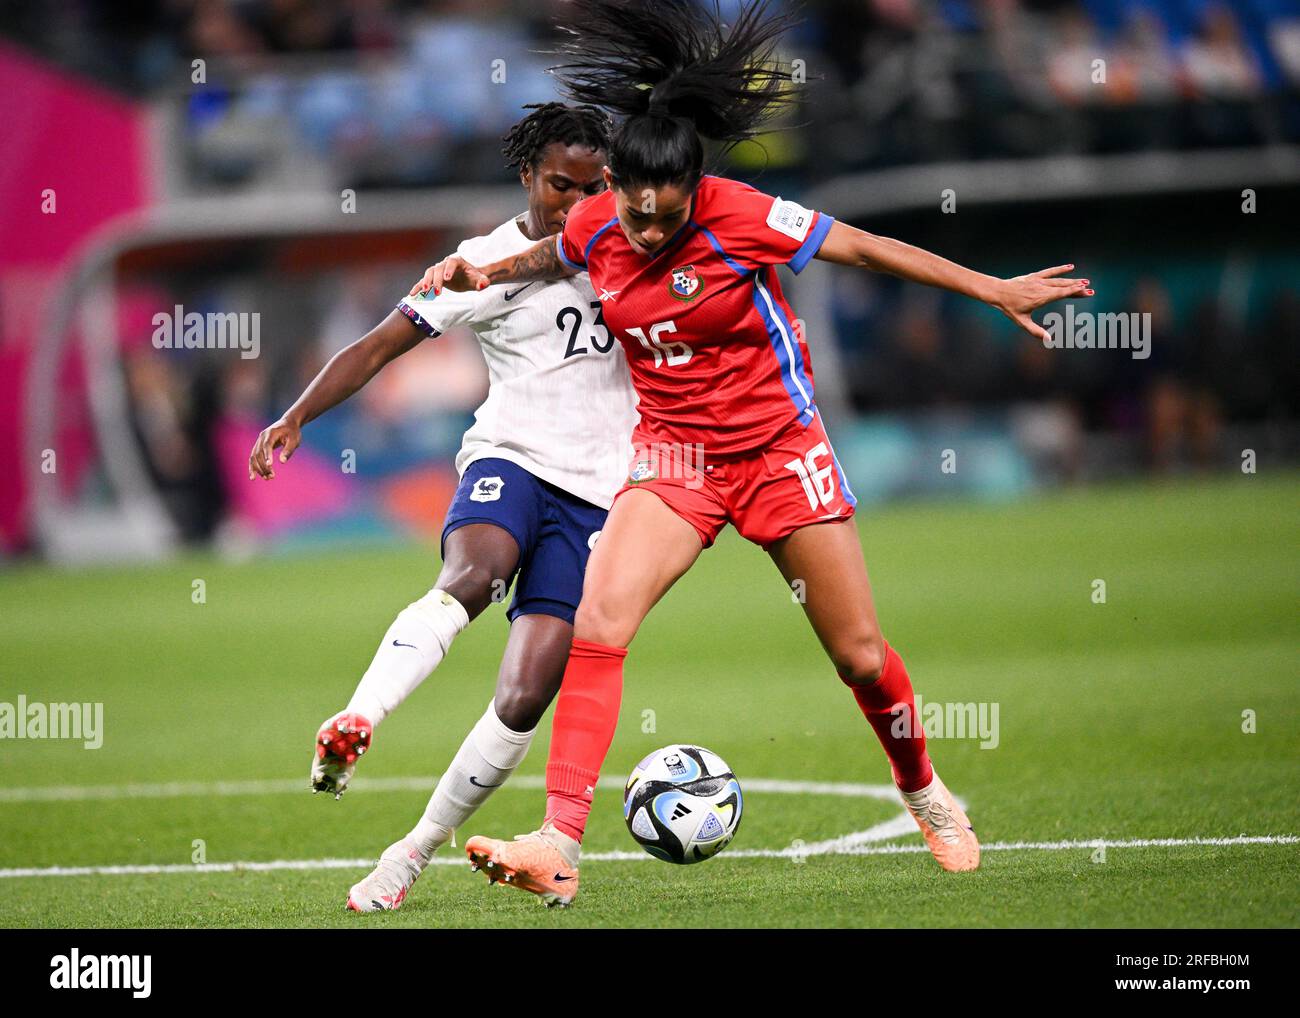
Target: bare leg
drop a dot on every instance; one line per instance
(826, 559)
(531, 669)
(644, 548)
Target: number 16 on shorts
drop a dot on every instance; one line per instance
(817, 475)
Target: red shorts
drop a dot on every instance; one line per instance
(796, 481)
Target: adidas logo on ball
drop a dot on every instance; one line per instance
(682, 804)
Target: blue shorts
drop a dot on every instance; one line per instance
(555, 532)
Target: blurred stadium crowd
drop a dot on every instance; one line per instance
(358, 82)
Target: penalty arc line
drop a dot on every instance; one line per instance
(839, 846)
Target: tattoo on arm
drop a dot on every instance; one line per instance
(541, 261)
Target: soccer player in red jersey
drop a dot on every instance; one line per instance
(684, 264)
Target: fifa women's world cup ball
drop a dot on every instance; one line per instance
(682, 804)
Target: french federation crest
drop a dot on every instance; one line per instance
(686, 283)
(487, 489)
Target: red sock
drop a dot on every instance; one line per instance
(890, 707)
(586, 714)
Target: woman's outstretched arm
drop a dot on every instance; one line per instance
(1017, 298)
(347, 371)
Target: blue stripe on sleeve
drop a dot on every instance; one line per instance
(812, 243)
(559, 247)
(417, 320)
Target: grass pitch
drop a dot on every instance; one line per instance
(1120, 721)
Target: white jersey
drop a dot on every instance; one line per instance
(560, 402)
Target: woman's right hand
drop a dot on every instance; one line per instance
(452, 273)
(284, 434)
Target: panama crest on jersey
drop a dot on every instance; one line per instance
(685, 283)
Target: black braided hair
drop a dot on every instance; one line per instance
(554, 122)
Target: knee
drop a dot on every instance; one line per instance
(474, 584)
(600, 621)
(521, 708)
(860, 661)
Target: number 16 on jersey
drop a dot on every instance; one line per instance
(674, 352)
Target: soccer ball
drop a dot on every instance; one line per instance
(682, 804)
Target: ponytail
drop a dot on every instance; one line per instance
(675, 73)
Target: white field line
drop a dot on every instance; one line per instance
(822, 848)
(279, 786)
(856, 843)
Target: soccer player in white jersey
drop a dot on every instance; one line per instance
(539, 468)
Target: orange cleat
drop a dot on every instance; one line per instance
(948, 831)
(544, 862)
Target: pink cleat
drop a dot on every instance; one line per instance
(386, 886)
(947, 829)
(340, 742)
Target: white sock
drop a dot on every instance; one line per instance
(414, 645)
(486, 758)
(921, 796)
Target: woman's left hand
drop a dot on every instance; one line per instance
(1019, 297)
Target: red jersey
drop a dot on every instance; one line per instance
(710, 340)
